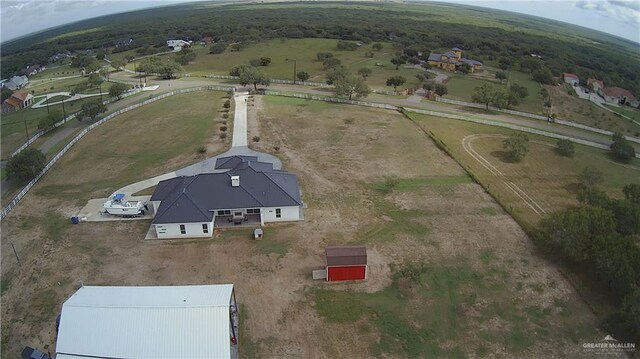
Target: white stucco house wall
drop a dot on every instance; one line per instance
(571, 79)
(242, 191)
(178, 44)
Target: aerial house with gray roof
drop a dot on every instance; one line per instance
(241, 191)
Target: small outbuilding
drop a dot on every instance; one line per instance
(346, 263)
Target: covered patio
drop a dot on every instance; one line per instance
(250, 220)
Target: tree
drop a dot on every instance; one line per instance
(336, 73)
(91, 110)
(591, 177)
(632, 192)
(377, 46)
(519, 91)
(237, 70)
(26, 164)
(185, 56)
(465, 68)
(49, 121)
(500, 99)
(621, 149)
(350, 86)
(6, 93)
(95, 80)
(117, 64)
(440, 89)
(530, 64)
(364, 72)
(217, 48)
(330, 63)
(501, 75)
(169, 69)
(398, 60)
(484, 94)
(302, 76)
(429, 86)
(100, 55)
(346, 45)
(252, 75)
(421, 78)
(396, 81)
(505, 62)
(117, 90)
(321, 56)
(255, 62)
(516, 145)
(565, 148)
(150, 65)
(543, 76)
(265, 61)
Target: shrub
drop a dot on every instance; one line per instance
(621, 149)
(227, 104)
(256, 138)
(517, 146)
(276, 148)
(223, 128)
(202, 150)
(348, 121)
(223, 135)
(565, 148)
(225, 115)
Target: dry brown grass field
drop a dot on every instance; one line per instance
(451, 274)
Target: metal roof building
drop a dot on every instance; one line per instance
(198, 321)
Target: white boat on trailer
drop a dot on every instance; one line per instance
(119, 206)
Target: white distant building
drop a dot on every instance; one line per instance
(178, 44)
(571, 79)
(196, 321)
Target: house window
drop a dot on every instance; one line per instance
(205, 228)
(225, 212)
(253, 211)
(278, 213)
(183, 230)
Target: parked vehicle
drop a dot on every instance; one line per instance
(30, 353)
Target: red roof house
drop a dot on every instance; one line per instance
(571, 78)
(595, 85)
(17, 101)
(619, 95)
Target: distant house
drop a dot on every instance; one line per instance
(2, 82)
(618, 95)
(31, 70)
(242, 191)
(595, 85)
(17, 101)
(571, 79)
(191, 321)
(207, 40)
(178, 44)
(124, 42)
(59, 56)
(16, 82)
(452, 60)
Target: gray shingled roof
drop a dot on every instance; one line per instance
(232, 161)
(193, 198)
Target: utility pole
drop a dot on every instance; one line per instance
(25, 128)
(47, 102)
(294, 71)
(100, 89)
(64, 113)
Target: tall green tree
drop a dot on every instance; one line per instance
(117, 90)
(501, 75)
(351, 86)
(49, 121)
(255, 77)
(621, 149)
(484, 94)
(302, 76)
(398, 60)
(364, 72)
(26, 164)
(91, 110)
(516, 145)
(396, 81)
(337, 73)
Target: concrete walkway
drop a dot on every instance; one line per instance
(240, 120)
(42, 103)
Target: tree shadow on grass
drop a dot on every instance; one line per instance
(573, 187)
(503, 156)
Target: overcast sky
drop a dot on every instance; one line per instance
(618, 17)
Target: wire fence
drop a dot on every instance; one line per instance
(331, 99)
(275, 81)
(5, 211)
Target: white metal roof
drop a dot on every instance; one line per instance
(146, 322)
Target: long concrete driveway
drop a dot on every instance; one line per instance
(240, 120)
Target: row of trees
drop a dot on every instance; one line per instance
(489, 95)
(155, 65)
(598, 238)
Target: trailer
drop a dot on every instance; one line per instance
(119, 206)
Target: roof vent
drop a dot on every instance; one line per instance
(235, 181)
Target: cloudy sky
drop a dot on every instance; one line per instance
(618, 17)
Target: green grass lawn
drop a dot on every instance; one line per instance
(627, 111)
(303, 51)
(156, 138)
(461, 88)
(545, 176)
